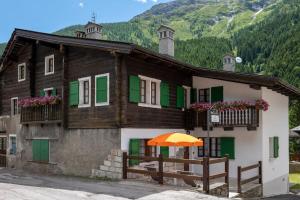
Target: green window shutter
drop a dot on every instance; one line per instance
(193, 95)
(164, 151)
(42, 93)
(276, 147)
(35, 150)
(164, 94)
(101, 92)
(54, 92)
(40, 150)
(180, 97)
(44, 150)
(134, 150)
(134, 89)
(74, 93)
(216, 94)
(227, 147)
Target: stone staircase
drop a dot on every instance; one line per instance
(112, 166)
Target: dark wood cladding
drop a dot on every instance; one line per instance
(142, 117)
(89, 63)
(10, 87)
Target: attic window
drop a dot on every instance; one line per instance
(49, 65)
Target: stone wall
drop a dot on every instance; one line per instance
(72, 151)
(112, 166)
(294, 167)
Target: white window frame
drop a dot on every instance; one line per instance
(188, 96)
(10, 144)
(47, 58)
(11, 106)
(48, 89)
(148, 92)
(108, 92)
(19, 67)
(81, 100)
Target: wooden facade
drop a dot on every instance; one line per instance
(78, 58)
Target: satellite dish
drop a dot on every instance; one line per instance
(238, 60)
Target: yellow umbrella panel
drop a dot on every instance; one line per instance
(175, 139)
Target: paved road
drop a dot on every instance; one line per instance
(18, 185)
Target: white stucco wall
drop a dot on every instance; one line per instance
(275, 122)
(232, 91)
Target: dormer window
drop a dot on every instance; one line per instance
(22, 72)
(49, 65)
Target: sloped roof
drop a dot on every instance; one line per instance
(129, 48)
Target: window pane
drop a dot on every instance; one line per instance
(86, 92)
(143, 91)
(153, 93)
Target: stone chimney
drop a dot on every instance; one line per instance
(166, 40)
(93, 31)
(229, 63)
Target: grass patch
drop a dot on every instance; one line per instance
(294, 178)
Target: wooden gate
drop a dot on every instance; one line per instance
(3, 145)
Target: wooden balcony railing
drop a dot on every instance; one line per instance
(228, 118)
(41, 114)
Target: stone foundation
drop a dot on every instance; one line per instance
(253, 192)
(112, 166)
(219, 190)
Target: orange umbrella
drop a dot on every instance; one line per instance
(175, 139)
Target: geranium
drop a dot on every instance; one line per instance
(234, 105)
(39, 101)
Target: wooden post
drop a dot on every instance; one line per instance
(239, 176)
(206, 174)
(124, 165)
(227, 172)
(260, 172)
(161, 169)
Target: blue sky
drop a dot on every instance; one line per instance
(51, 15)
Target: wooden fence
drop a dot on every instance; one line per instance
(159, 174)
(241, 181)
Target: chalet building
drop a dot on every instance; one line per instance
(115, 95)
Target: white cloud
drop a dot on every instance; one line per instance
(145, 1)
(81, 4)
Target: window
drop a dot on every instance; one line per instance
(204, 96)
(102, 90)
(171, 34)
(12, 144)
(273, 147)
(153, 93)
(22, 72)
(49, 65)
(14, 106)
(165, 33)
(149, 92)
(48, 92)
(143, 91)
(84, 92)
(186, 96)
(215, 147)
(40, 150)
(139, 147)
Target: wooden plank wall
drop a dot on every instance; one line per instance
(84, 63)
(142, 117)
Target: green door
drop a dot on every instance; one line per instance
(134, 150)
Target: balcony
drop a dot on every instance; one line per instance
(228, 119)
(41, 114)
